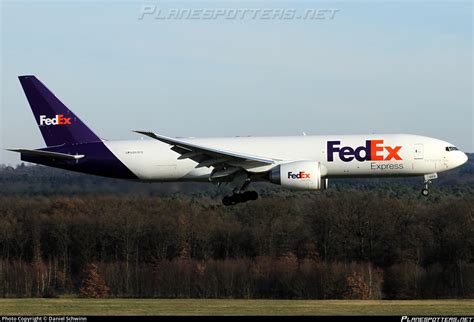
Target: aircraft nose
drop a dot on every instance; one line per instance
(463, 158)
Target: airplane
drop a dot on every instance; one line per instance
(295, 162)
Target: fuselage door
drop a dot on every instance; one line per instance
(418, 151)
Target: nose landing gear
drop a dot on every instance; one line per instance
(428, 177)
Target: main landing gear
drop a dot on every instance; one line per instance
(239, 195)
(428, 177)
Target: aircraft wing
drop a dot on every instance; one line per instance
(207, 156)
(48, 154)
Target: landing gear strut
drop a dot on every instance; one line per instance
(428, 177)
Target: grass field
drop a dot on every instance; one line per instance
(73, 306)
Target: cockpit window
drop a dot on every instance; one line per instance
(451, 148)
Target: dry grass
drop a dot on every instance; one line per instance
(74, 306)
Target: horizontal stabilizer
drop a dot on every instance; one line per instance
(48, 154)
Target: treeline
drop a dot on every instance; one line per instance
(323, 245)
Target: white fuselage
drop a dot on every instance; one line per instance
(390, 155)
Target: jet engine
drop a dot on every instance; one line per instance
(301, 175)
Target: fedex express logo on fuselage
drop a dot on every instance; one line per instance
(373, 150)
(59, 119)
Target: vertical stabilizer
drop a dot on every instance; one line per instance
(58, 125)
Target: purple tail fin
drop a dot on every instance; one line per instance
(57, 123)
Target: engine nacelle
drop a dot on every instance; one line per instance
(303, 175)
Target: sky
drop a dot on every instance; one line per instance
(372, 67)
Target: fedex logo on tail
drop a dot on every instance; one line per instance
(373, 150)
(59, 119)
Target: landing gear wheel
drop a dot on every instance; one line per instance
(227, 201)
(239, 198)
(251, 195)
(425, 192)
